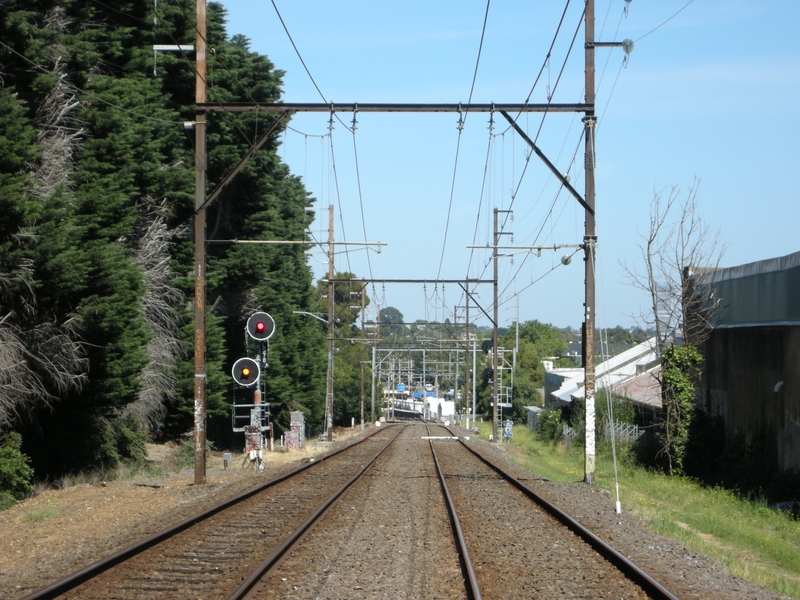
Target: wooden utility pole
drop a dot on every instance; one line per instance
(589, 244)
(200, 251)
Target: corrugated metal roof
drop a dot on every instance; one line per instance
(770, 265)
(761, 293)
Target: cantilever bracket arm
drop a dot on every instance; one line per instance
(253, 149)
(547, 162)
(478, 304)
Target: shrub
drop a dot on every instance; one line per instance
(550, 427)
(184, 455)
(131, 440)
(16, 473)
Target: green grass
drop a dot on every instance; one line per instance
(752, 541)
(40, 514)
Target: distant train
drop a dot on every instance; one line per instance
(425, 406)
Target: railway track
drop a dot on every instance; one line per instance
(523, 546)
(411, 511)
(210, 554)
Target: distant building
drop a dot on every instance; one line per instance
(631, 374)
(751, 372)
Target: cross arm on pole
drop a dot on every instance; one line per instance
(387, 107)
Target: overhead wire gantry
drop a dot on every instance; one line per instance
(587, 202)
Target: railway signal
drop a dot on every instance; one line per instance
(246, 372)
(260, 326)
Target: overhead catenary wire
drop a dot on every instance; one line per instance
(665, 22)
(245, 137)
(336, 189)
(75, 88)
(360, 194)
(544, 115)
(538, 77)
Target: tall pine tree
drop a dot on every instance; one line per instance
(97, 187)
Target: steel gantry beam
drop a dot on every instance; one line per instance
(387, 107)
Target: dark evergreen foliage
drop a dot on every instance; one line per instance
(15, 471)
(91, 142)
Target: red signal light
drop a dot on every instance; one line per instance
(260, 326)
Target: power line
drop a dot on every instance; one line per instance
(458, 144)
(360, 195)
(665, 22)
(74, 87)
(299, 56)
(338, 196)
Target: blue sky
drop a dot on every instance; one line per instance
(708, 96)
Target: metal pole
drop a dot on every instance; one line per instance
(466, 381)
(474, 379)
(374, 346)
(372, 410)
(331, 309)
(455, 385)
(363, 293)
(425, 384)
(200, 252)
(494, 333)
(589, 240)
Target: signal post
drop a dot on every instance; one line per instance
(247, 373)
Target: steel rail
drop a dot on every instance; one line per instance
(621, 562)
(471, 580)
(57, 588)
(255, 581)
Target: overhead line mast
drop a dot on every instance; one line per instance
(589, 245)
(200, 250)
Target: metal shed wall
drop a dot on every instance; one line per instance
(752, 366)
(743, 369)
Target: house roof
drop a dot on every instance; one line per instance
(630, 373)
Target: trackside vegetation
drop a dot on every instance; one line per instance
(97, 200)
(749, 538)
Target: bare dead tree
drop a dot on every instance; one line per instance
(678, 243)
(38, 363)
(158, 379)
(60, 130)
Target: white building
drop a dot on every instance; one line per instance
(631, 374)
